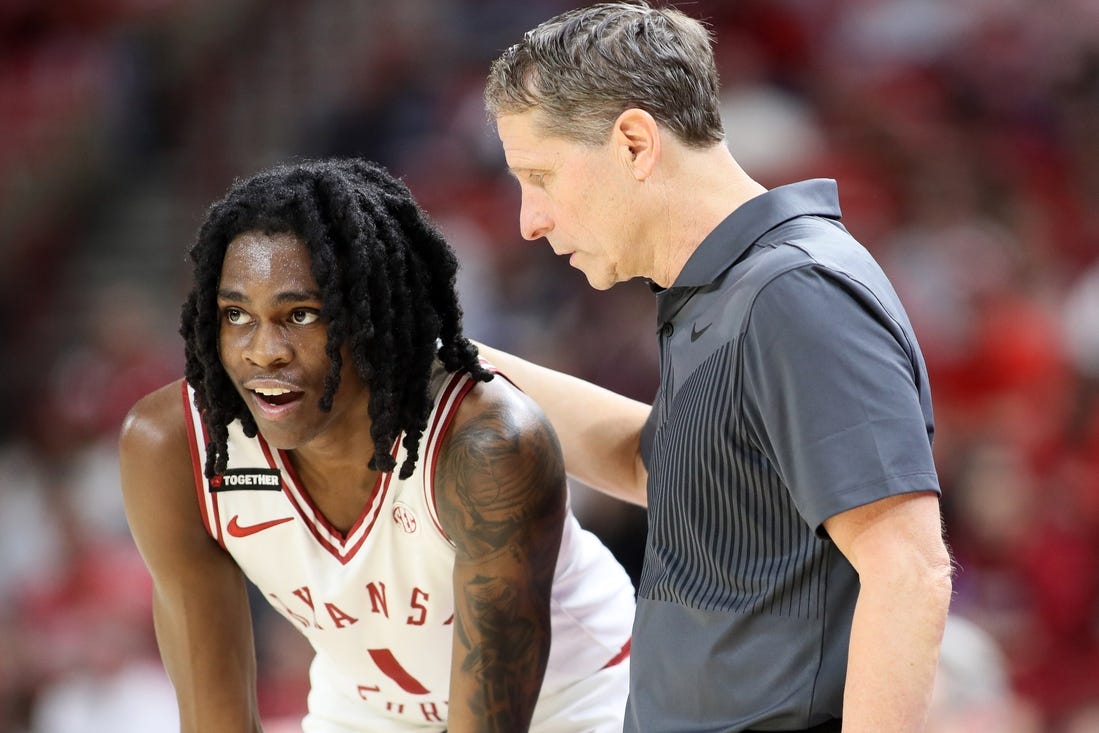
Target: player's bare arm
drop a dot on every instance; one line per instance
(200, 606)
(501, 499)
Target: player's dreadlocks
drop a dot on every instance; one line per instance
(387, 279)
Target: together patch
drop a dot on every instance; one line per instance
(243, 479)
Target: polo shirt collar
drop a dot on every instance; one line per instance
(751, 220)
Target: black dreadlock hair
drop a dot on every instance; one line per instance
(387, 278)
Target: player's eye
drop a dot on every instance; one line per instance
(304, 317)
(236, 316)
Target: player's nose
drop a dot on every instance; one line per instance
(268, 346)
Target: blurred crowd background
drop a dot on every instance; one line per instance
(965, 138)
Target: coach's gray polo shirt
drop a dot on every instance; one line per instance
(792, 388)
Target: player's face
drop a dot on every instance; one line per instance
(577, 196)
(272, 342)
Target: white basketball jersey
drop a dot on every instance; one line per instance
(377, 603)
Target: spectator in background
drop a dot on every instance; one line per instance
(81, 653)
(972, 690)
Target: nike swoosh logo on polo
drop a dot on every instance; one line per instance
(236, 529)
(696, 335)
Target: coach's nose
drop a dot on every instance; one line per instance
(534, 219)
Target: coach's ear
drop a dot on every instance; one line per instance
(637, 136)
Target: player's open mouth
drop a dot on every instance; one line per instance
(277, 396)
(275, 403)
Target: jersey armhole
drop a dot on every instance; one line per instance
(197, 440)
(454, 390)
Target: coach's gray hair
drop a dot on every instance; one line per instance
(583, 68)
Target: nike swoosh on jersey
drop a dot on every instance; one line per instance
(236, 529)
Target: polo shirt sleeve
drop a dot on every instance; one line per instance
(830, 393)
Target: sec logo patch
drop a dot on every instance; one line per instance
(404, 518)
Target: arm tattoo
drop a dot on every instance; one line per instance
(502, 501)
(500, 479)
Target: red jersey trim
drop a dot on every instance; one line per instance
(340, 545)
(206, 504)
(457, 387)
(622, 655)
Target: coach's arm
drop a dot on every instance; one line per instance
(896, 546)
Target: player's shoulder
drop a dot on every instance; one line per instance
(156, 421)
(499, 402)
(500, 458)
(505, 427)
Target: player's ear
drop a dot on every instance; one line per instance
(636, 135)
